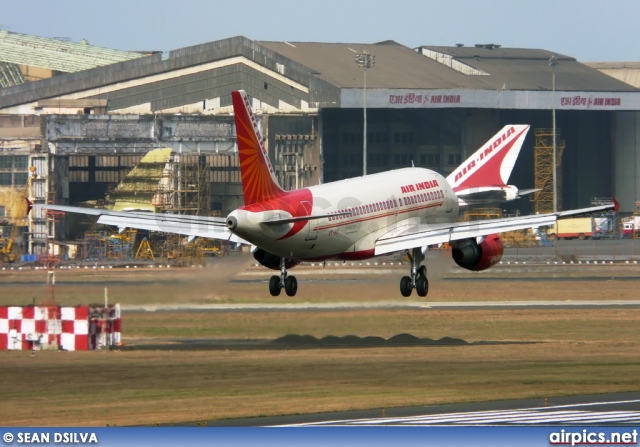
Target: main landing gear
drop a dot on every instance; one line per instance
(288, 283)
(418, 279)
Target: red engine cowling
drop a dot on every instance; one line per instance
(272, 261)
(470, 255)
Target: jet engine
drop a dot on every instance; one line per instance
(272, 261)
(468, 254)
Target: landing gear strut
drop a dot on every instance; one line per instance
(288, 283)
(418, 279)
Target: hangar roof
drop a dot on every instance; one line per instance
(10, 74)
(436, 67)
(302, 76)
(628, 72)
(396, 66)
(529, 69)
(55, 54)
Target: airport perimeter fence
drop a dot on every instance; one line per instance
(596, 251)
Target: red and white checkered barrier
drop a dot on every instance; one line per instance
(78, 328)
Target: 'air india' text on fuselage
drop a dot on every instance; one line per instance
(419, 186)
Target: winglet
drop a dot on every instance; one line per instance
(616, 205)
(259, 182)
(29, 205)
(491, 165)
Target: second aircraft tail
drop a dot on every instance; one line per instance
(487, 171)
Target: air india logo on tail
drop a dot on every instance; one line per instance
(492, 163)
(481, 155)
(258, 179)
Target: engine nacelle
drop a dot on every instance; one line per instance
(271, 261)
(470, 255)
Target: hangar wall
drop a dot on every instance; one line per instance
(627, 159)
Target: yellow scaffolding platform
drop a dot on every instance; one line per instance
(543, 170)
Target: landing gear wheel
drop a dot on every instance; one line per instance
(274, 285)
(405, 286)
(422, 285)
(422, 271)
(290, 285)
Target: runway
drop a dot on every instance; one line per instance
(384, 305)
(606, 409)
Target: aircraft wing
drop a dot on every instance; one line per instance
(193, 226)
(421, 235)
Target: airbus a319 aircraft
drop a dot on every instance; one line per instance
(406, 209)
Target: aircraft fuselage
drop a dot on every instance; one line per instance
(359, 211)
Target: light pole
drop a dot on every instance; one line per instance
(553, 62)
(365, 60)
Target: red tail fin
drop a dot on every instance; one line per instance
(258, 178)
(491, 165)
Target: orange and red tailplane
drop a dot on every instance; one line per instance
(259, 182)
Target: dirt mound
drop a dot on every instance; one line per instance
(452, 341)
(404, 339)
(354, 340)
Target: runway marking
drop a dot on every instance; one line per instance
(538, 415)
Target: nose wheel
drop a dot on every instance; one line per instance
(418, 276)
(288, 283)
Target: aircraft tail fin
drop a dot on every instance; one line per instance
(259, 182)
(491, 165)
(139, 189)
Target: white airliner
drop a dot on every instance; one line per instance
(405, 209)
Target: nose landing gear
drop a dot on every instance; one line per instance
(418, 279)
(288, 283)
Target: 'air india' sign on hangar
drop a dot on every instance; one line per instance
(490, 99)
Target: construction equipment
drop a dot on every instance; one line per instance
(144, 250)
(6, 246)
(16, 200)
(631, 224)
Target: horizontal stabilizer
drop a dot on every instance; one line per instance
(524, 192)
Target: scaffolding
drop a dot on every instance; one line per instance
(474, 214)
(293, 164)
(120, 246)
(163, 183)
(184, 187)
(93, 246)
(517, 238)
(543, 170)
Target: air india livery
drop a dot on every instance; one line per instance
(406, 210)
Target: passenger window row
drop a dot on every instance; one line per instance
(387, 205)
